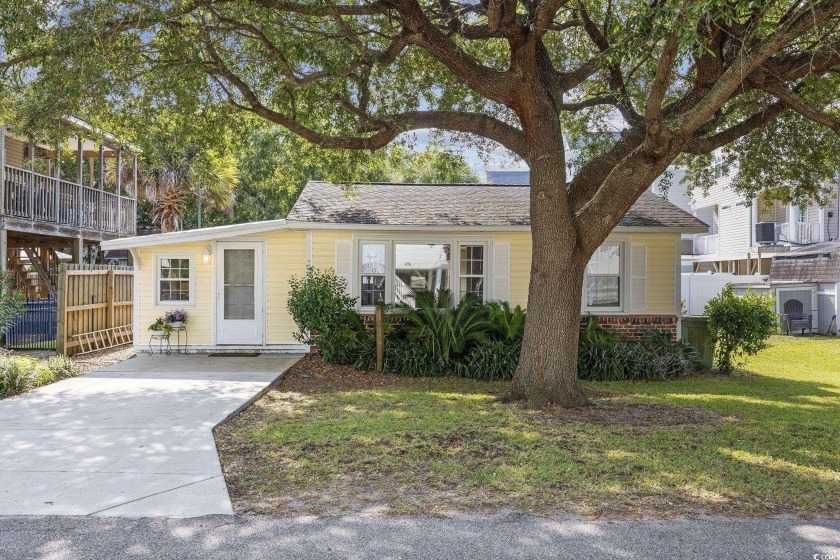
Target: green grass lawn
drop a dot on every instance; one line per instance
(761, 442)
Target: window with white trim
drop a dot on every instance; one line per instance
(372, 269)
(603, 287)
(396, 270)
(174, 279)
(471, 273)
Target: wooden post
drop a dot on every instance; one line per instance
(4, 235)
(379, 325)
(57, 193)
(119, 191)
(99, 212)
(80, 172)
(2, 171)
(32, 179)
(109, 300)
(61, 312)
(133, 225)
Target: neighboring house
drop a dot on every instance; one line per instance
(744, 234)
(46, 211)
(390, 241)
(811, 276)
(509, 176)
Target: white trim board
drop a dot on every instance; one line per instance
(223, 232)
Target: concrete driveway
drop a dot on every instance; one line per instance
(133, 439)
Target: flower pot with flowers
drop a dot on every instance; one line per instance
(160, 328)
(176, 319)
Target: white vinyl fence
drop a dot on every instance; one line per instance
(698, 287)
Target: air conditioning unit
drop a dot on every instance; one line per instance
(765, 233)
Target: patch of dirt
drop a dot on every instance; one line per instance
(313, 375)
(618, 411)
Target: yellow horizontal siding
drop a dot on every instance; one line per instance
(661, 275)
(286, 253)
(285, 257)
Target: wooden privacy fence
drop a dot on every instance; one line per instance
(95, 307)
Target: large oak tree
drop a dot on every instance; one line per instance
(683, 77)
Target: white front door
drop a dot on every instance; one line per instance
(240, 293)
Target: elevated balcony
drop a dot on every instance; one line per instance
(708, 244)
(803, 233)
(41, 204)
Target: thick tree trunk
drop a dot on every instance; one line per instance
(547, 372)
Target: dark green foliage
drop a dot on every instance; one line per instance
(604, 356)
(319, 304)
(11, 301)
(447, 331)
(483, 340)
(491, 361)
(740, 326)
(601, 355)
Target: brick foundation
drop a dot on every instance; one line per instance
(634, 326)
(629, 326)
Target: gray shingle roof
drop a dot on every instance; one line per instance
(819, 262)
(453, 205)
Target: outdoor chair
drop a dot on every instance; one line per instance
(794, 317)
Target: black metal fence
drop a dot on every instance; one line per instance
(35, 329)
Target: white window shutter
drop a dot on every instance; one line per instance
(344, 263)
(638, 278)
(501, 271)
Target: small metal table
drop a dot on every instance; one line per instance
(179, 348)
(162, 340)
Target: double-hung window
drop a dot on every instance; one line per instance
(174, 279)
(604, 278)
(471, 279)
(373, 270)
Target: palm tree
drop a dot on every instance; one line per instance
(170, 177)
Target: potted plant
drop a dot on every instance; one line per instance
(160, 328)
(176, 319)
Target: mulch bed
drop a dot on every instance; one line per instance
(313, 375)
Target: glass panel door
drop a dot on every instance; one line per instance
(239, 284)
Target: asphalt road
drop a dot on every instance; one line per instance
(376, 536)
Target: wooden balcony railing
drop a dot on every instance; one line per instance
(36, 197)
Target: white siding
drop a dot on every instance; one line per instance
(734, 231)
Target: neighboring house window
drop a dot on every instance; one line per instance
(718, 164)
(603, 277)
(175, 277)
(472, 271)
(396, 270)
(373, 274)
(420, 268)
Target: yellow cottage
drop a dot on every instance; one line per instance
(391, 241)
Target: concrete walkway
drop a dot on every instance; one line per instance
(416, 537)
(133, 439)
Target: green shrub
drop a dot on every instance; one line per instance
(318, 303)
(491, 360)
(21, 373)
(415, 358)
(603, 356)
(740, 326)
(12, 302)
(63, 367)
(16, 376)
(447, 331)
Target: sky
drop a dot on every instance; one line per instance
(480, 160)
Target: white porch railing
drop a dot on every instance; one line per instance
(706, 244)
(801, 232)
(36, 197)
